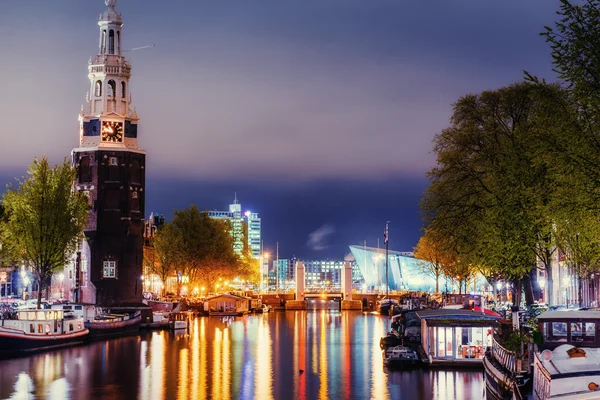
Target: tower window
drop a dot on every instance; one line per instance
(103, 43)
(111, 88)
(123, 91)
(111, 42)
(118, 42)
(109, 269)
(85, 171)
(98, 90)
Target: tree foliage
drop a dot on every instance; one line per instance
(436, 259)
(200, 249)
(45, 219)
(490, 193)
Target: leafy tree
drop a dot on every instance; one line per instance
(45, 219)
(490, 194)
(436, 259)
(161, 256)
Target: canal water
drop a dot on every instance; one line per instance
(321, 354)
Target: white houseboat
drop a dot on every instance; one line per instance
(456, 336)
(34, 330)
(567, 365)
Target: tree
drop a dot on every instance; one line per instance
(45, 219)
(436, 260)
(491, 193)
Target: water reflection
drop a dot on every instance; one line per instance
(301, 355)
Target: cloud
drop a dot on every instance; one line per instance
(317, 240)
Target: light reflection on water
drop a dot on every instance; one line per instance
(293, 355)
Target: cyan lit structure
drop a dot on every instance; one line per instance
(405, 272)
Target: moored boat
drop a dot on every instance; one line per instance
(102, 324)
(400, 357)
(385, 304)
(34, 330)
(114, 324)
(568, 363)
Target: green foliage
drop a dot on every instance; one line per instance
(45, 219)
(200, 248)
(490, 194)
(437, 259)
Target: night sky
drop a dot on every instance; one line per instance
(318, 113)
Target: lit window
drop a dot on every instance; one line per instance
(110, 269)
(113, 161)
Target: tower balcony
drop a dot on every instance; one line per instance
(121, 70)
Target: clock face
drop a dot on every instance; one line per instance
(112, 131)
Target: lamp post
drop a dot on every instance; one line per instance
(542, 284)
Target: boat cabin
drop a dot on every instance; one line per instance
(227, 303)
(43, 322)
(456, 335)
(81, 310)
(577, 328)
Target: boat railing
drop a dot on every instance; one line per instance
(506, 358)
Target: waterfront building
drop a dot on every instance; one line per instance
(319, 274)
(237, 221)
(107, 266)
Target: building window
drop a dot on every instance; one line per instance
(111, 88)
(113, 161)
(111, 42)
(110, 269)
(123, 91)
(98, 91)
(103, 44)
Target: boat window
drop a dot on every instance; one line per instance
(41, 315)
(555, 331)
(40, 328)
(31, 316)
(583, 331)
(71, 326)
(79, 325)
(31, 328)
(50, 315)
(47, 328)
(78, 307)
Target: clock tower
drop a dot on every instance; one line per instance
(107, 269)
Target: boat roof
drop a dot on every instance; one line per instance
(449, 317)
(558, 315)
(232, 296)
(562, 363)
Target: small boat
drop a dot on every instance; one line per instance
(36, 329)
(106, 325)
(385, 304)
(400, 357)
(178, 320)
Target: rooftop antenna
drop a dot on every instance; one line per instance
(140, 48)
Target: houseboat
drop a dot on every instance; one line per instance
(506, 377)
(34, 330)
(384, 305)
(226, 305)
(567, 365)
(102, 324)
(457, 337)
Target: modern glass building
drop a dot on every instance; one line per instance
(318, 274)
(237, 220)
(404, 271)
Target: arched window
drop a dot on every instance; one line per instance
(123, 91)
(111, 42)
(103, 43)
(98, 90)
(111, 88)
(118, 42)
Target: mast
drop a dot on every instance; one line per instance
(385, 238)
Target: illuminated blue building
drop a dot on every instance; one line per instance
(405, 272)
